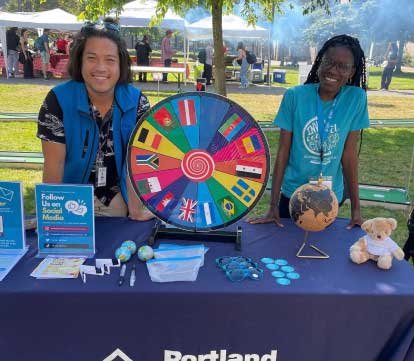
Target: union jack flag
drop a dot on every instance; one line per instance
(187, 210)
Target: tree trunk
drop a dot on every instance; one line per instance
(219, 74)
(401, 46)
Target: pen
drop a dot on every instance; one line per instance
(133, 277)
(122, 275)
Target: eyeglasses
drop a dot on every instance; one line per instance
(99, 26)
(239, 268)
(343, 68)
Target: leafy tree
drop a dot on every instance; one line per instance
(71, 6)
(95, 8)
(389, 21)
(342, 19)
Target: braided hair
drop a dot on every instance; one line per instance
(359, 78)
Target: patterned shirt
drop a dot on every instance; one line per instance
(50, 128)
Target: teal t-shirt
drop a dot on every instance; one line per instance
(298, 114)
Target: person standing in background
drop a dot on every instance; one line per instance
(166, 52)
(13, 41)
(244, 82)
(208, 65)
(61, 44)
(28, 60)
(143, 50)
(390, 63)
(44, 52)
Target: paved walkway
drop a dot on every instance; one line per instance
(232, 87)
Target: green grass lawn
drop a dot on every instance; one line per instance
(385, 154)
(404, 81)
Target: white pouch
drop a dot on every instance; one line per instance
(180, 252)
(174, 269)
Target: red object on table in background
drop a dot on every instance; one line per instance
(61, 45)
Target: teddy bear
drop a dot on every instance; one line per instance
(377, 244)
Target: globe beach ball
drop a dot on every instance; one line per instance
(123, 254)
(145, 253)
(130, 245)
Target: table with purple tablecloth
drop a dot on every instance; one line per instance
(335, 311)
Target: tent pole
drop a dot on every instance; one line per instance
(185, 58)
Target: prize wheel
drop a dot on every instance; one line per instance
(198, 161)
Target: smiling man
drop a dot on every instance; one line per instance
(80, 122)
(320, 123)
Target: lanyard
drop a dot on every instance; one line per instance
(324, 122)
(103, 122)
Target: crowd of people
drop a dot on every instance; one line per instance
(23, 45)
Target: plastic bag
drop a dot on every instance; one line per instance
(174, 269)
(176, 251)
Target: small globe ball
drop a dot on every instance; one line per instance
(145, 253)
(313, 207)
(131, 245)
(123, 254)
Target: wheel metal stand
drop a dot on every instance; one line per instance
(165, 231)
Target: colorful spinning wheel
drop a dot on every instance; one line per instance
(198, 161)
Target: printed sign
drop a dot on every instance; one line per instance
(65, 219)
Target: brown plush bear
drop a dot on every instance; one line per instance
(377, 244)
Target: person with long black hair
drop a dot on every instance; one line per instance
(320, 124)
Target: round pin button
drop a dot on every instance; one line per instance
(272, 266)
(281, 262)
(267, 260)
(287, 269)
(283, 281)
(278, 274)
(293, 275)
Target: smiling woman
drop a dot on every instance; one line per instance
(80, 121)
(319, 125)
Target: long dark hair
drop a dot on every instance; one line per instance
(107, 29)
(360, 77)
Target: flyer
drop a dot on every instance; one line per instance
(65, 220)
(58, 267)
(12, 233)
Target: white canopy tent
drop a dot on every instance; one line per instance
(139, 13)
(50, 19)
(233, 27)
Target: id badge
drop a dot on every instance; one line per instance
(100, 177)
(325, 180)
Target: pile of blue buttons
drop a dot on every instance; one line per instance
(281, 270)
(239, 268)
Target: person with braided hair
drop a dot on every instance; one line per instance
(320, 123)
